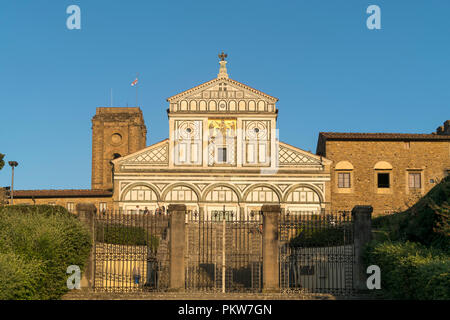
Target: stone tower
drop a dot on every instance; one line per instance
(116, 132)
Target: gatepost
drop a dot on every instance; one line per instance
(271, 215)
(177, 243)
(86, 214)
(362, 234)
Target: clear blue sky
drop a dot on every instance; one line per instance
(329, 71)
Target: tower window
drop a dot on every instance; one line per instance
(222, 155)
(116, 155)
(383, 180)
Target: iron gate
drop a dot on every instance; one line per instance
(131, 251)
(316, 252)
(224, 251)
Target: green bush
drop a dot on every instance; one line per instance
(37, 244)
(410, 270)
(419, 223)
(125, 235)
(327, 236)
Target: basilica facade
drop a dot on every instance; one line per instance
(222, 153)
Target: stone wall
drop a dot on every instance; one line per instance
(64, 201)
(430, 158)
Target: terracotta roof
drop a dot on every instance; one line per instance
(381, 136)
(69, 193)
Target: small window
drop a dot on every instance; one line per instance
(222, 154)
(70, 206)
(102, 207)
(415, 181)
(344, 180)
(383, 180)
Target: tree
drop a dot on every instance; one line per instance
(2, 162)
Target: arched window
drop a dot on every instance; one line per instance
(344, 174)
(383, 172)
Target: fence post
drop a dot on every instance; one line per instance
(86, 214)
(362, 234)
(271, 281)
(177, 243)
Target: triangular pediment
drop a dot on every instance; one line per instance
(222, 95)
(290, 156)
(157, 155)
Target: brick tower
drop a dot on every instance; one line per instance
(116, 132)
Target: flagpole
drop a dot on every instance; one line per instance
(137, 77)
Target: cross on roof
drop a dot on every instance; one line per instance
(222, 56)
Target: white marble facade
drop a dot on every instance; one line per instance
(222, 150)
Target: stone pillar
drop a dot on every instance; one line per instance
(362, 234)
(86, 214)
(177, 243)
(270, 248)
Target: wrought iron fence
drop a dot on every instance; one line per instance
(131, 251)
(224, 252)
(316, 252)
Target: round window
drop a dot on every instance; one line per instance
(116, 138)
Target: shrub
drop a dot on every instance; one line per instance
(410, 270)
(425, 222)
(126, 235)
(19, 279)
(45, 239)
(315, 236)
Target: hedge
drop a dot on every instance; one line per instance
(410, 270)
(37, 244)
(125, 235)
(315, 236)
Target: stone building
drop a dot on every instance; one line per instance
(222, 152)
(389, 171)
(116, 132)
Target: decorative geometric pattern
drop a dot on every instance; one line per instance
(256, 130)
(283, 186)
(242, 187)
(161, 186)
(140, 193)
(181, 193)
(292, 158)
(262, 194)
(188, 130)
(158, 155)
(303, 195)
(201, 186)
(123, 185)
(222, 194)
